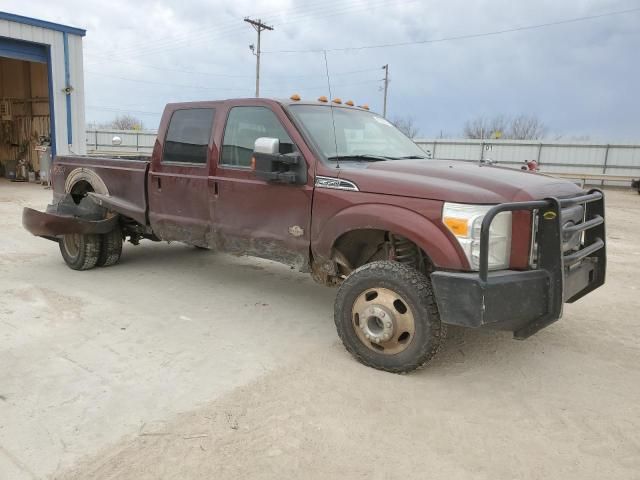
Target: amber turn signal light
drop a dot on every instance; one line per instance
(458, 226)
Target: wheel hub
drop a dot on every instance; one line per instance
(377, 323)
(383, 320)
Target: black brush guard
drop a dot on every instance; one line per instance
(526, 301)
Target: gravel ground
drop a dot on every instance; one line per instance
(181, 363)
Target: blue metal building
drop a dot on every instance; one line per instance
(41, 87)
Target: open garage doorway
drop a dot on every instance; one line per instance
(25, 111)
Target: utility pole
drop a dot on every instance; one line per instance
(386, 87)
(259, 26)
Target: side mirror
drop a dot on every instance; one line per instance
(270, 146)
(272, 166)
(116, 141)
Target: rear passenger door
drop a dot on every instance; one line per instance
(178, 181)
(269, 220)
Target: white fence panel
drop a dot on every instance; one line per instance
(133, 141)
(553, 157)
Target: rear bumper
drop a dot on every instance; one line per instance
(66, 217)
(526, 301)
(50, 225)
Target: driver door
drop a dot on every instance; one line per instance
(254, 216)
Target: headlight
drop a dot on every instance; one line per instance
(465, 222)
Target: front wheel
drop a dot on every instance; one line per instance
(80, 252)
(387, 317)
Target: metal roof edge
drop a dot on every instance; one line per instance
(34, 22)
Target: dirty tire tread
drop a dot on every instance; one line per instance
(111, 248)
(395, 272)
(88, 253)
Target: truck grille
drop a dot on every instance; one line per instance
(572, 216)
(582, 226)
(576, 218)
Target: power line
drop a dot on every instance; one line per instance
(171, 44)
(151, 82)
(462, 37)
(121, 110)
(230, 25)
(209, 74)
(239, 90)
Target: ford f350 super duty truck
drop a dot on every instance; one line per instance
(413, 244)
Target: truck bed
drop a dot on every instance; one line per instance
(120, 180)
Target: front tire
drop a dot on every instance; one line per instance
(80, 252)
(387, 317)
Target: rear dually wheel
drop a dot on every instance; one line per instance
(80, 252)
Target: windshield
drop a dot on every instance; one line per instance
(360, 135)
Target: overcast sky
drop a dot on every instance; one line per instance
(579, 78)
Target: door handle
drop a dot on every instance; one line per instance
(213, 186)
(159, 182)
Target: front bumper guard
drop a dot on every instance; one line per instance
(524, 302)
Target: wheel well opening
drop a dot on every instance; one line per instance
(359, 247)
(80, 190)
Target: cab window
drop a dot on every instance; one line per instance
(188, 135)
(244, 126)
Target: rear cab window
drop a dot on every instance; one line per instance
(188, 135)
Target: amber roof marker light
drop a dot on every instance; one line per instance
(295, 97)
(323, 99)
(349, 102)
(337, 101)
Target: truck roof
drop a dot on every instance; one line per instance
(281, 101)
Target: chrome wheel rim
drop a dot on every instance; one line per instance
(383, 321)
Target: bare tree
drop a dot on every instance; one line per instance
(526, 127)
(407, 126)
(126, 122)
(484, 127)
(521, 127)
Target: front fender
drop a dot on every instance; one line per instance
(429, 236)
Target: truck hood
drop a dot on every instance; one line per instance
(454, 181)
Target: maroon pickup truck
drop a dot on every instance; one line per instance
(412, 243)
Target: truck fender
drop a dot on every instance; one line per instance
(86, 175)
(433, 240)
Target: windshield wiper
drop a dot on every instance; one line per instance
(365, 158)
(410, 157)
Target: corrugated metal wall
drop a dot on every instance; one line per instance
(55, 40)
(133, 141)
(559, 157)
(614, 159)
